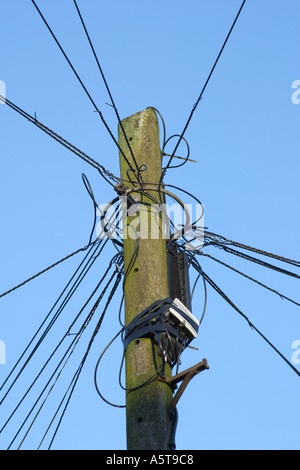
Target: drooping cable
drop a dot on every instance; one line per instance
(96, 372)
(205, 295)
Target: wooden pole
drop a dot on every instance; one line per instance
(146, 280)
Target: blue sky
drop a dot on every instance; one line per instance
(245, 138)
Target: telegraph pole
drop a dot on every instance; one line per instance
(149, 425)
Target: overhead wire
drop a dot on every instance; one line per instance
(252, 326)
(205, 85)
(250, 278)
(96, 330)
(81, 83)
(216, 241)
(259, 261)
(107, 88)
(72, 384)
(43, 271)
(101, 169)
(222, 242)
(78, 371)
(54, 351)
(198, 268)
(90, 243)
(219, 239)
(85, 269)
(97, 250)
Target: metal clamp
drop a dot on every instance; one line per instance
(185, 377)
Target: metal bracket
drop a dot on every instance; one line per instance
(120, 188)
(185, 377)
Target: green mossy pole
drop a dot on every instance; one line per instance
(148, 425)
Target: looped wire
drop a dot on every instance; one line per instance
(140, 169)
(174, 156)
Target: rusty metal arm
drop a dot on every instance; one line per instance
(184, 377)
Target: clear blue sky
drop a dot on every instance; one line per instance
(245, 138)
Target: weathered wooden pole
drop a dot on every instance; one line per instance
(146, 280)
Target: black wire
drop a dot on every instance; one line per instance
(62, 141)
(120, 309)
(54, 352)
(205, 295)
(186, 159)
(96, 330)
(250, 278)
(109, 226)
(258, 261)
(74, 380)
(91, 194)
(150, 380)
(64, 54)
(78, 337)
(90, 244)
(225, 297)
(225, 241)
(164, 127)
(42, 272)
(107, 87)
(96, 371)
(45, 387)
(81, 83)
(63, 304)
(206, 83)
